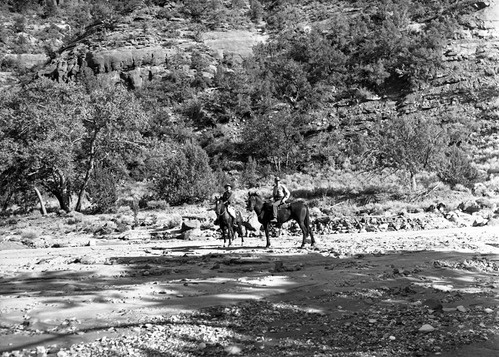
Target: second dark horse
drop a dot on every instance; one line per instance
(294, 210)
(228, 224)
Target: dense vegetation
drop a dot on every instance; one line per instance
(83, 138)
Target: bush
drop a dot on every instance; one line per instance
(161, 204)
(165, 14)
(29, 233)
(183, 176)
(103, 191)
(20, 24)
(456, 168)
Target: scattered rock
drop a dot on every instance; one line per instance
(426, 328)
(233, 350)
(433, 304)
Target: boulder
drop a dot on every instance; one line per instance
(479, 221)
(105, 228)
(189, 225)
(469, 207)
(479, 189)
(483, 202)
(191, 234)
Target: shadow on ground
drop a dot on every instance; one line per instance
(206, 299)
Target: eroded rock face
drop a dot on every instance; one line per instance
(123, 59)
(27, 60)
(237, 42)
(490, 16)
(479, 37)
(135, 65)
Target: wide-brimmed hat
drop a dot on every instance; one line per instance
(277, 178)
(227, 185)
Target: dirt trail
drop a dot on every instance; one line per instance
(58, 297)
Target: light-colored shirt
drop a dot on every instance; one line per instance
(280, 192)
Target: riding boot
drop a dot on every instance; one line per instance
(216, 222)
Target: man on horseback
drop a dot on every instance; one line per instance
(280, 194)
(227, 198)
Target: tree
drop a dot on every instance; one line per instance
(274, 137)
(23, 6)
(113, 126)
(41, 128)
(53, 134)
(256, 10)
(408, 143)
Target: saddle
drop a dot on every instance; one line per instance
(284, 206)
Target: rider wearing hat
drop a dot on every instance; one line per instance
(280, 194)
(227, 199)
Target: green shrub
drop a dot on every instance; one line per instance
(75, 218)
(249, 176)
(19, 24)
(256, 10)
(157, 204)
(183, 176)
(29, 233)
(165, 14)
(456, 168)
(102, 189)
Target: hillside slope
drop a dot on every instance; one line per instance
(145, 45)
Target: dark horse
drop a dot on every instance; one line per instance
(228, 223)
(294, 210)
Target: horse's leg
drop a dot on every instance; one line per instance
(309, 229)
(266, 229)
(231, 234)
(304, 230)
(240, 233)
(226, 235)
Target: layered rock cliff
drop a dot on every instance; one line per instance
(139, 48)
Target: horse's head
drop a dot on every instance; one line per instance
(252, 201)
(219, 205)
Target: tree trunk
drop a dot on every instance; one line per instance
(90, 169)
(40, 199)
(7, 200)
(84, 185)
(414, 185)
(63, 199)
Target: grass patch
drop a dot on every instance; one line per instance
(29, 233)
